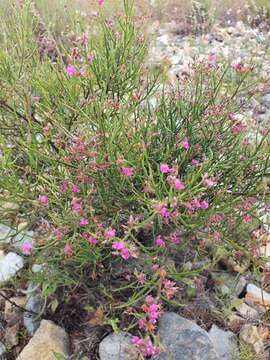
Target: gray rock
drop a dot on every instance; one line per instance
(225, 343)
(240, 286)
(184, 340)
(2, 351)
(33, 303)
(265, 100)
(117, 347)
(10, 264)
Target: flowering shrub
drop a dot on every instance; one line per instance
(113, 187)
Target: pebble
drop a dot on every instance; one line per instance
(117, 347)
(257, 296)
(34, 303)
(251, 336)
(10, 264)
(247, 312)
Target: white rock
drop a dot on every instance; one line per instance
(117, 347)
(48, 339)
(8, 235)
(10, 264)
(257, 296)
(247, 312)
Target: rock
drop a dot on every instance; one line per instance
(2, 351)
(247, 312)
(10, 264)
(251, 336)
(34, 303)
(257, 296)
(225, 343)
(240, 286)
(235, 322)
(48, 339)
(11, 335)
(11, 236)
(265, 100)
(117, 347)
(11, 310)
(184, 339)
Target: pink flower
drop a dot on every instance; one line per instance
(212, 59)
(247, 218)
(27, 248)
(238, 66)
(68, 249)
(210, 183)
(136, 340)
(185, 144)
(169, 288)
(71, 71)
(76, 205)
(43, 199)
(84, 222)
(100, 2)
(89, 238)
(118, 245)
(141, 323)
(127, 171)
(75, 189)
(110, 233)
(90, 57)
(178, 184)
(204, 204)
(194, 162)
(64, 186)
(164, 168)
(159, 242)
(125, 253)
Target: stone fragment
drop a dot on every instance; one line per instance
(240, 286)
(48, 339)
(225, 343)
(184, 339)
(247, 312)
(257, 296)
(34, 303)
(117, 347)
(251, 336)
(10, 264)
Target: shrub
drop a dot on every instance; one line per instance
(121, 179)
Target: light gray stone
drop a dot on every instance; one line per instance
(265, 100)
(48, 339)
(34, 303)
(184, 340)
(2, 351)
(247, 312)
(225, 343)
(240, 286)
(117, 347)
(10, 264)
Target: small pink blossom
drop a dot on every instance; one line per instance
(71, 71)
(164, 168)
(75, 189)
(159, 242)
(194, 162)
(185, 144)
(90, 57)
(76, 205)
(169, 288)
(141, 323)
(100, 2)
(125, 253)
(118, 245)
(210, 183)
(178, 184)
(43, 199)
(84, 222)
(204, 204)
(237, 66)
(68, 249)
(89, 238)
(64, 186)
(27, 248)
(127, 171)
(247, 218)
(110, 233)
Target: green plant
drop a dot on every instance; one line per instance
(118, 191)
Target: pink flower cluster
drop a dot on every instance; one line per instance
(145, 346)
(26, 248)
(195, 204)
(121, 249)
(89, 238)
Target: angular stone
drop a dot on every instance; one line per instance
(34, 304)
(2, 351)
(10, 264)
(117, 347)
(48, 339)
(225, 343)
(251, 336)
(184, 339)
(247, 312)
(265, 100)
(11, 310)
(257, 296)
(240, 286)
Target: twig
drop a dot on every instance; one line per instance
(17, 306)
